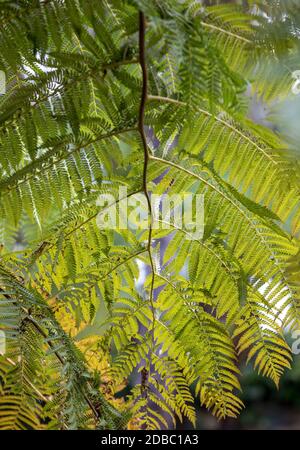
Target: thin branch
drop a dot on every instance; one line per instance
(158, 98)
(141, 124)
(229, 33)
(116, 64)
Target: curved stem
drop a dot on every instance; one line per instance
(144, 97)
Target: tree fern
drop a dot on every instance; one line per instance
(148, 96)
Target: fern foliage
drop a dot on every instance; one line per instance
(149, 97)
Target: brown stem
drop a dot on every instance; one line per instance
(144, 96)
